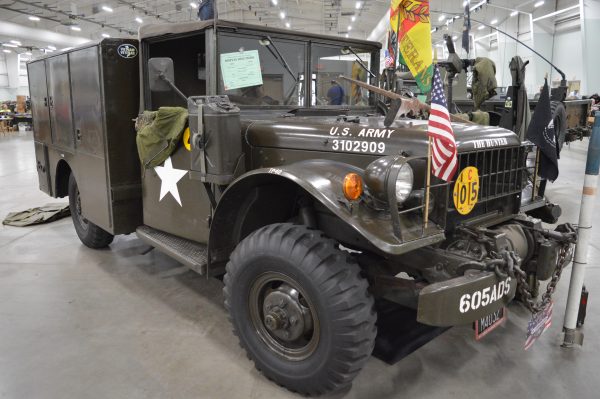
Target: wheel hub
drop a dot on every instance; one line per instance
(284, 315)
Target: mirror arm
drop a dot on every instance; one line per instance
(172, 85)
(362, 64)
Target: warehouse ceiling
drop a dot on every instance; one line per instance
(73, 21)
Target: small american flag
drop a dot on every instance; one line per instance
(443, 149)
(389, 61)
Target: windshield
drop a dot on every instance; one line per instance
(328, 63)
(260, 70)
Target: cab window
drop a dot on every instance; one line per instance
(261, 70)
(328, 63)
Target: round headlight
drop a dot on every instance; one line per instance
(404, 183)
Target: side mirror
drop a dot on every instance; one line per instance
(160, 73)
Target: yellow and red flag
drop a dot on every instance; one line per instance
(392, 47)
(414, 36)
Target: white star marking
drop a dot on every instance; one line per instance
(169, 178)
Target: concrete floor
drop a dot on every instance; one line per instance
(79, 323)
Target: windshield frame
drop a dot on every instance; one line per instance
(308, 43)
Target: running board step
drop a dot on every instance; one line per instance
(190, 253)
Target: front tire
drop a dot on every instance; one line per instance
(90, 235)
(300, 308)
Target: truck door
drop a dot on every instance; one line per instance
(38, 91)
(59, 100)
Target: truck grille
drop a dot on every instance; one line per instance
(501, 178)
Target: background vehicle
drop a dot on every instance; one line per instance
(309, 211)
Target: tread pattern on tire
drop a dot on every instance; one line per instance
(94, 237)
(337, 275)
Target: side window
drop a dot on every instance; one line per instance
(328, 63)
(261, 71)
(189, 61)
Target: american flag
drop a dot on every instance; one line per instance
(443, 149)
(389, 60)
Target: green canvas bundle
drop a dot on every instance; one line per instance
(159, 133)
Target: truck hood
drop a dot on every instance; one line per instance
(367, 136)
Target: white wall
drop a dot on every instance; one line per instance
(568, 54)
(7, 92)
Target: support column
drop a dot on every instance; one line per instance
(12, 69)
(590, 32)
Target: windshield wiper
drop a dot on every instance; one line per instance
(268, 42)
(348, 50)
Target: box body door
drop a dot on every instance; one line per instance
(36, 71)
(59, 100)
(90, 166)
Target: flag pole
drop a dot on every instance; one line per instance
(534, 189)
(428, 184)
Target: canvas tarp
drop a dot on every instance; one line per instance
(159, 133)
(43, 214)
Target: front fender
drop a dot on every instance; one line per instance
(323, 180)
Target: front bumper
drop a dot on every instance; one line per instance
(463, 300)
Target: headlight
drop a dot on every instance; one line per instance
(375, 178)
(404, 183)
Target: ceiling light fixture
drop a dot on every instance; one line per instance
(105, 35)
(441, 17)
(481, 27)
(18, 43)
(275, 2)
(33, 18)
(193, 5)
(27, 53)
(539, 4)
(353, 18)
(556, 13)
(514, 13)
(346, 36)
(282, 15)
(287, 25)
(359, 5)
(107, 9)
(51, 47)
(349, 28)
(9, 45)
(494, 21)
(7, 51)
(76, 28)
(139, 20)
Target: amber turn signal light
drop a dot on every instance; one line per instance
(353, 186)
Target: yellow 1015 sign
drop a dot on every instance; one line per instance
(466, 190)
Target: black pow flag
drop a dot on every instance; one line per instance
(541, 133)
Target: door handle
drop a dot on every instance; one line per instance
(45, 101)
(78, 134)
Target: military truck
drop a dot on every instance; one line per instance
(309, 211)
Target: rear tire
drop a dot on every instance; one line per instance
(300, 308)
(90, 235)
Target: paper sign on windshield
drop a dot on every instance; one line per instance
(241, 69)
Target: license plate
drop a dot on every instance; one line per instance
(489, 323)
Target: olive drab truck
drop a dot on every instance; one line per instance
(311, 212)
